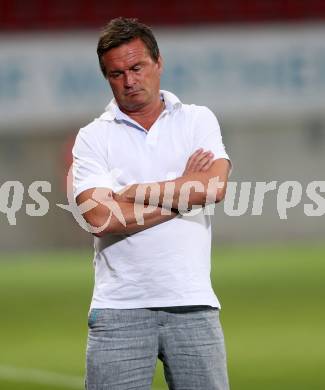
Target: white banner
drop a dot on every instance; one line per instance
(52, 80)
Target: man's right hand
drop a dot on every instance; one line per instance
(199, 161)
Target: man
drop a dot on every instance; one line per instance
(142, 174)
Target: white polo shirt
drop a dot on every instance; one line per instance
(168, 264)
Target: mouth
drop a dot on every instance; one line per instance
(132, 93)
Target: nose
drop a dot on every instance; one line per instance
(128, 79)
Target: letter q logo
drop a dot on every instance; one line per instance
(100, 196)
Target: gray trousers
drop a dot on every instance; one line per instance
(124, 344)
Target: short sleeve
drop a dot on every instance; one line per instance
(207, 134)
(90, 165)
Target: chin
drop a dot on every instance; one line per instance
(136, 102)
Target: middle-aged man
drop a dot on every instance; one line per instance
(139, 170)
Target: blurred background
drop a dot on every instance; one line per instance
(260, 66)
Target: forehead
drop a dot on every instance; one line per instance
(126, 54)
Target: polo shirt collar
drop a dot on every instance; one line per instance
(113, 112)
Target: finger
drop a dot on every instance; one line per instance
(195, 154)
(193, 157)
(201, 157)
(204, 161)
(207, 165)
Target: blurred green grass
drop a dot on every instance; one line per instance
(273, 315)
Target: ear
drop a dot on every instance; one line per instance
(160, 64)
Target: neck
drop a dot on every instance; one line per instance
(147, 115)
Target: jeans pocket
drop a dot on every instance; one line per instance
(92, 317)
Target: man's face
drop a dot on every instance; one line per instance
(133, 75)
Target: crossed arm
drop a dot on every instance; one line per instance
(163, 200)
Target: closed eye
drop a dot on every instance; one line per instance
(115, 75)
(136, 68)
